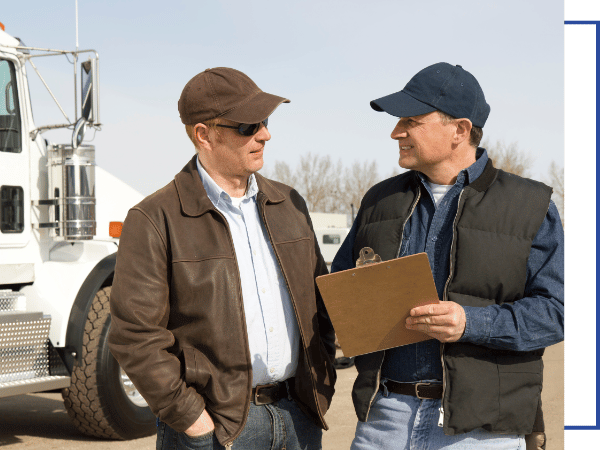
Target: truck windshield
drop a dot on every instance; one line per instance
(10, 120)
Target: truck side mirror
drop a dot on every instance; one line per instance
(89, 91)
(89, 100)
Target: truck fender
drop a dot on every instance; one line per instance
(100, 276)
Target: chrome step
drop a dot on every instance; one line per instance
(33, 385)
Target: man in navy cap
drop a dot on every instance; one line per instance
(495, 245)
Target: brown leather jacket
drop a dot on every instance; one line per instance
(178, 327)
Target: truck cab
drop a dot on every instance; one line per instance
(57, 252)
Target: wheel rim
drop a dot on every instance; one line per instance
(131, 392)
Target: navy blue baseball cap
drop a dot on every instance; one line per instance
(442, 86)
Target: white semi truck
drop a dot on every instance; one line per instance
(57, 256)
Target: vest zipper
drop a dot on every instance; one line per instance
(445, 295)
(302, 336)
(377, 387)
(412, 209)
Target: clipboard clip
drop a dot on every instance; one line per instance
(367, 256)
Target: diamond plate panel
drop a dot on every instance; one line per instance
(24, 349)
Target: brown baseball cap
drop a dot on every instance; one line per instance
(227, 93)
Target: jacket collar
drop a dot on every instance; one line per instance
(194, 199)
(266, 189)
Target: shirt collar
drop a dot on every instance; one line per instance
(471, 173)
(476, 169)
(216, 194)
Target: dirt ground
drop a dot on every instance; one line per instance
(40, 422)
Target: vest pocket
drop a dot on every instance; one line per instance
(520, 387)
(519, 392)
(491, 389)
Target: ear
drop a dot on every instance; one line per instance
(201, 136)
(463, 130)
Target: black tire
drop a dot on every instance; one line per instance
(96, 400)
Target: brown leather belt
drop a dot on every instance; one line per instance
(419, 390)
(270, 393)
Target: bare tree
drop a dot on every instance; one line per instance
(357, 180)
(509, 157)
(318, 180)
(328, 186)
(281, 172)
(556, 179)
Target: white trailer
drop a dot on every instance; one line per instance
(57, 256)
(330, 230)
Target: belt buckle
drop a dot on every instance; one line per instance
(417, 385)
(257, 389)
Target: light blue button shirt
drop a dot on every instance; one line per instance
(273, 333)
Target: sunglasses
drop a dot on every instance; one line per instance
(247, 129)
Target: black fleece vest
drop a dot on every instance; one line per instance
(498, 217)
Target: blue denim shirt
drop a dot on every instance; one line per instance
(534, 322)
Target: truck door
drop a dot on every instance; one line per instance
(15, 222)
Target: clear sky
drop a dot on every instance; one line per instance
(329, 57)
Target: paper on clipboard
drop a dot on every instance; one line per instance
(368, 305)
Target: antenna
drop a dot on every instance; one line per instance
(76, 27)
(75, 54)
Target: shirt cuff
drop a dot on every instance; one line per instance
(478, 325)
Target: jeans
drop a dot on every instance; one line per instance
(279, 425)
(405, 422)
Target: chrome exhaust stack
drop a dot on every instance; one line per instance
(71, 192)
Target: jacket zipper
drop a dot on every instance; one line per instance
(302, 336)
(410, 213)
(442, 345)
(229, 444)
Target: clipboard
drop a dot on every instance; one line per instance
(368, 305)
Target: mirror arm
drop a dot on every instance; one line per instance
(33, 133)
(48, 88)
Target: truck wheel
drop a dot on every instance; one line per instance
(101, 400)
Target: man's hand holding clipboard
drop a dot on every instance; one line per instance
(369, 305)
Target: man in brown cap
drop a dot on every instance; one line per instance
(215, 314)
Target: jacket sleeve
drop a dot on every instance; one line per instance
(325, 326)
(139, 338)
(537, 320)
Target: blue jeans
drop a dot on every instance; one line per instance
(404, 422)
(280, 425)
